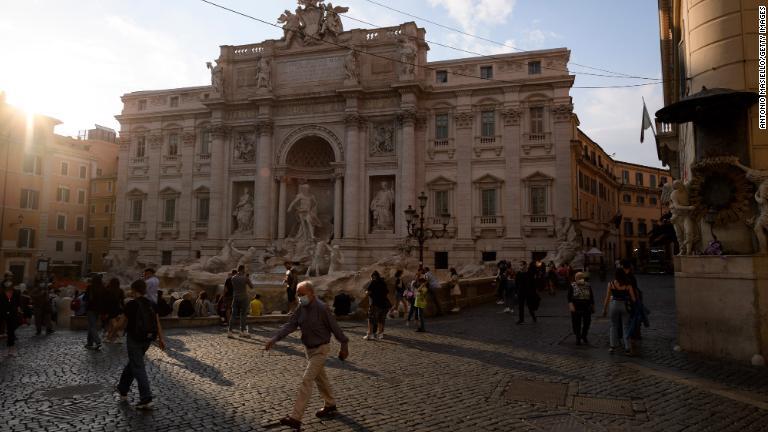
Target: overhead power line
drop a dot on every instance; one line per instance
(346, 15)
(453, 29)
(431, 68)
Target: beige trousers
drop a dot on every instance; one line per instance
(314, 373)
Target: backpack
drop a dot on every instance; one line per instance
(145, 326)
(74, 305)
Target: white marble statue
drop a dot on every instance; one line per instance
(332, 26)
(381, 207)
(246, 257)
(351, 67)
(407, 57)
(336, 259)
(305, 206)
(686, 228)
(217, 77)
(263, 72)
(569, 243)
(245, 151)
(760, 179)
(321, 250)
(291, 26)
(243, 212)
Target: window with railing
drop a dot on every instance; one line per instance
(488, 202)
(534, 67)
(173, 144)
(169, 210)
(487, 124)
(638, 179)
(62, 194)
(441, 202)
(80, 223)
(81, 197)
(61, 222)
(625, 177)
(486, 72)
(141, 146)
(136, 210)
(64, 168)
(537, 120)
(205, 142)
(30, 199)
(203, 204)
(538, 200)
(441, 76)
(441, 128)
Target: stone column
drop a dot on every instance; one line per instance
(263, 179)
(407, 192)
(218, 207)
(513, 201)
(337, 207)
(561, 143)
(281, 207)
(152, 212)
(464, 205)
(352, 166)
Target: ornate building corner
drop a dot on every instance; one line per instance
(464, 119)
(562, 112)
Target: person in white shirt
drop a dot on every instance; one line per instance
(153, 284)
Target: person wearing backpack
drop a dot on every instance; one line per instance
(142, 329)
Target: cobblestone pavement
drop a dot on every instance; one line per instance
(476, 371)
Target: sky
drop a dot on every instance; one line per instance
(73, 59)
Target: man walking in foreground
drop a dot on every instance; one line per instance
(317, 323)
(143, 327)
(240, 302)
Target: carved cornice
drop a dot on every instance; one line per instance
(562, 112)
(464, 119)
(155, 141)
(511, 116)
(265, 126)
(188, 138)
(354, 120)
(406, 117)
(219, 130)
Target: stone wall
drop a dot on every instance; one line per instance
(722, 305)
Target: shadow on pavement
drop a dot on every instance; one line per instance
(196, 366)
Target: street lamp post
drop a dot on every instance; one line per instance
(415, 223)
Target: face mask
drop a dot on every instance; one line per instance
(303, 300)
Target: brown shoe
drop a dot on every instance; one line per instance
(290, 422)
(326, 412)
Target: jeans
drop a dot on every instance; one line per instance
(10, 327)
(616, 310)
(240, 308)
(43, 319)
(522, 300)
(419, 316)
(93, 328)
(580, 320)
(411, 308)
(135, 370)
(509, 296)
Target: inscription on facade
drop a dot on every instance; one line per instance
(321, 69)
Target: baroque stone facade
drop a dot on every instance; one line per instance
(334, 141)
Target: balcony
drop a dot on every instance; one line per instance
(171, 158)
(537, 140)
(201, 227)
(203, 157)
(493, 223)
(168, 229)
(138, 229)
(539, 222)
(441, 146)
(442, 143)
(488, 140)
(139, 160)
(536, 137)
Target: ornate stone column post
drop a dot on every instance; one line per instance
(465, 205)
(407, 192)
(561, 136)
(281, 208)
(351, 175)
(337, 205)
(218, 207)
(513, 202)
(263, 179)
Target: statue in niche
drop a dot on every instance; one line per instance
(383, 140)
(686, 228)
(568, 244)
(217, 77)
(407, 57)
(263, 72)
(305, 206)
(243, 213)
(244, 148)
(332, 26)
(336, 259)
(291, 25)
(382, 207)
(351, 67)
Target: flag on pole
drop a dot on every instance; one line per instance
(646, 122)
